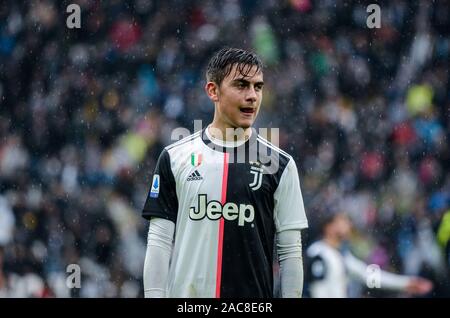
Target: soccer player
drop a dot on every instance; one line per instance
(221, 198)
(330, 265)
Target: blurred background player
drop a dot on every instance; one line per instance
(331, 265)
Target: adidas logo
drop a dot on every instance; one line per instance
(194, 176)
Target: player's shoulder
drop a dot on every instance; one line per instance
(184, 142)
(266, 143)
(316, 248)
(274, 154)
(315, 263)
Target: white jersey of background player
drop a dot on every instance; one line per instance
(330, 267)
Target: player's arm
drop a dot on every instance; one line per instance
(289, 250)
(316, 271)
(391, 281)
(161, 209)
(290, 218)
(157, 258)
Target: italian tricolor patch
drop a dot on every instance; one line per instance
(196, 159)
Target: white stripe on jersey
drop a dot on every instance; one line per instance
(272, 146)
(194, 261)
(183, 140)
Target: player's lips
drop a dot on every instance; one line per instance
(247, 110)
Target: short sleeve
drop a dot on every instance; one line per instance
(162, 198)
(289, 211)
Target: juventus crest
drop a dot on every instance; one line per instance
(257, 173)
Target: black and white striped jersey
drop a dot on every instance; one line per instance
(227, 203)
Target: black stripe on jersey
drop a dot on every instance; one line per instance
(247, 253)
(247, 259)
(315, 270)
(165, 205)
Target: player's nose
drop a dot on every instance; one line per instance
(251, 95)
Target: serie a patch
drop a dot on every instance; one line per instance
(154, 191)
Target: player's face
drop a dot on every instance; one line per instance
(343, 226)
(239, 98)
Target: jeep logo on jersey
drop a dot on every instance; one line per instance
(214, 210)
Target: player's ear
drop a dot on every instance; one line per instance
(212, 90)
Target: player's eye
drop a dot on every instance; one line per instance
(240, 84)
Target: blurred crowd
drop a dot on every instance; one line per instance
(84, 114)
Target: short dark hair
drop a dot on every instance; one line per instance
(222, 62)
(328, 218)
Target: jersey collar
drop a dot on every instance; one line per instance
(221, 146)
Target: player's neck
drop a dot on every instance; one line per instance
(227, 133)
